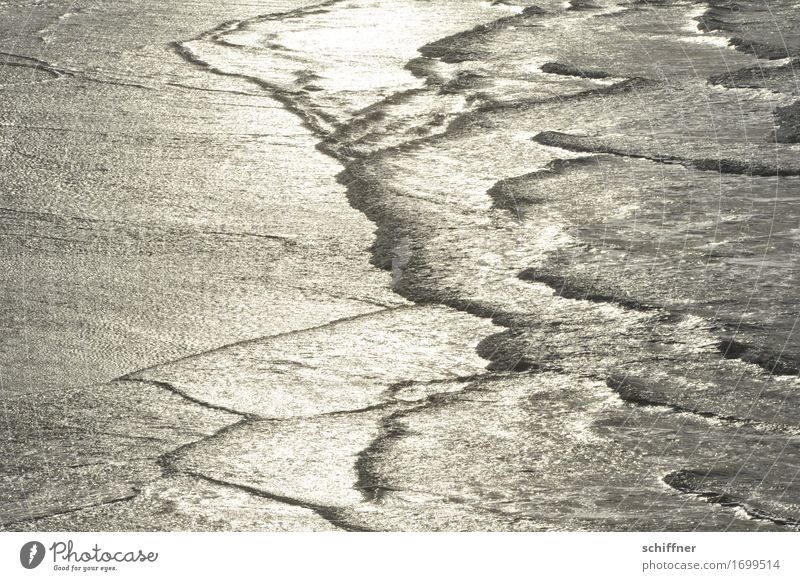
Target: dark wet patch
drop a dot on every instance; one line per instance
(464, 81)
(369, 480)
(769, 362)
(331, 514)
(568, 70)
(782, 78)
(638, 391)
(763, 29)
(509, 194)
(588, 144)
(584, 5)
(762, 50)
(517, 193)
(788, 121)
(506, 353)
(583, 290)
(700, 483)
(462, 47)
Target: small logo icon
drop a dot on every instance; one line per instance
(31, 555)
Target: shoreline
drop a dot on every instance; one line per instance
(529, 386)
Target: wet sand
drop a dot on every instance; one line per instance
(148, 213)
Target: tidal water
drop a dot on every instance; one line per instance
(401, 265)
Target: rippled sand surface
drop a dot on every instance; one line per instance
(373, 265)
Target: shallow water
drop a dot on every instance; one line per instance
(586, 318)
